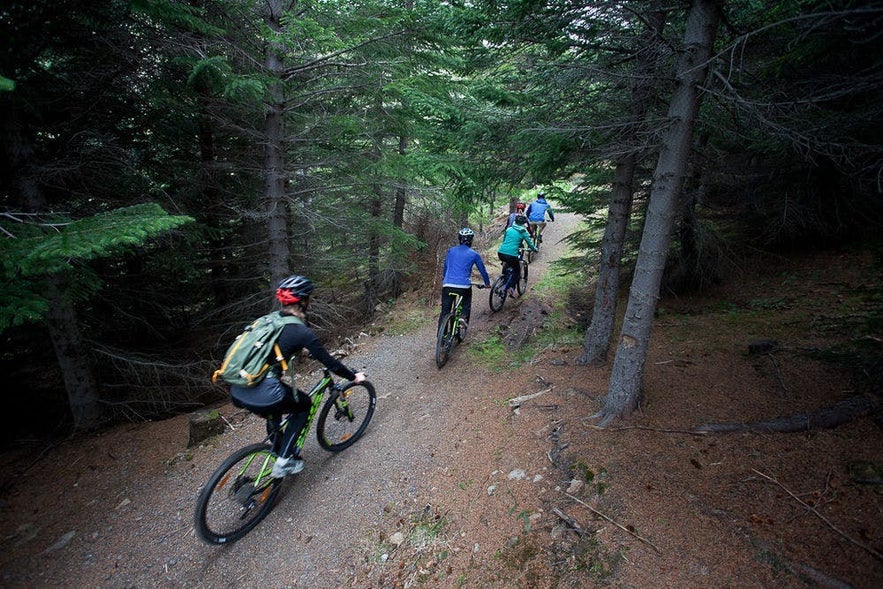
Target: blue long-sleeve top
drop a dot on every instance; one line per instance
(536, 211)
(458, 267)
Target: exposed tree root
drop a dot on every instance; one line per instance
(828, 417)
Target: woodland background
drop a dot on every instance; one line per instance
(164, 163)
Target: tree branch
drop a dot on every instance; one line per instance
(808, 507)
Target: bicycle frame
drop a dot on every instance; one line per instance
(509, 271)
(316, 394)
(457, 305)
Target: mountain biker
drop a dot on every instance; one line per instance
(271, 398)
(508, 251)
(457, 274)
(536, 215)
(519, 210)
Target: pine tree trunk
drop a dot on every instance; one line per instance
(600, 331)
(62, 320)
(599, 334)
(625, 392)
(278, 215)
(398, 218)
(70, 350)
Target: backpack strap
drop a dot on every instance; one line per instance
(286, 319)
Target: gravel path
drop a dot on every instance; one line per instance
(121, 516)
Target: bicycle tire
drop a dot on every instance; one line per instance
(341, 423)
(498, 294)
(522, 284)
(444, 340)
(230, 505)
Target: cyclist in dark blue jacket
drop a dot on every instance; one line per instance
(458, 274)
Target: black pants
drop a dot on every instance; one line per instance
(271, 399)
(447, 302)
(511, 262)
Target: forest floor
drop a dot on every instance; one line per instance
(454, 485)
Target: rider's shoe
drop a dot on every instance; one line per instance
(286, 466)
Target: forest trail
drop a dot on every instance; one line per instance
(116, 509)
(453, 486)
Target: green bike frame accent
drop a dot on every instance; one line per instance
(317, 402)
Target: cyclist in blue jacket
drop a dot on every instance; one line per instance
(536, 215)
(458, 274)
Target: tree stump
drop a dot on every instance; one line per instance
(204, 424)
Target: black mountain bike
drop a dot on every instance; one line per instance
(241, 492)
(506, 281)
(451, 330)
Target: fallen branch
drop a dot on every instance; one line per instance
(828, 417)
(808, 507)
(569, 521)
(517, 401)
(621, 527)
(232, 428)
(816, 576)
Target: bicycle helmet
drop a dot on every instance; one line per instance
(294, 289)
(520, 220)
(465, 235)
(519, 207)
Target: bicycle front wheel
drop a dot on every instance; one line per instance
(345, 416)
(444, 340)
(238, 495)
(498, 294)
(522, 283)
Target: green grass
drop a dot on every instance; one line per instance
(408, 322)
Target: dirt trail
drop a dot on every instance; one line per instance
(451, 487)
(115, 510)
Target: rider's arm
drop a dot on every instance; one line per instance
(551, 214)
(318, 351)
(479, 263)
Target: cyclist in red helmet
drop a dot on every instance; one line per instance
(272, 397)
(519, 210)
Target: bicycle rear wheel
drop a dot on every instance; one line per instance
(498, 293)
(444, 340)
(345, 416)
(238, 495)
(522, 284)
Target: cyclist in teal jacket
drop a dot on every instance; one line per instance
(508, 251)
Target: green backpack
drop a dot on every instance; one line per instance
(248, 358)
